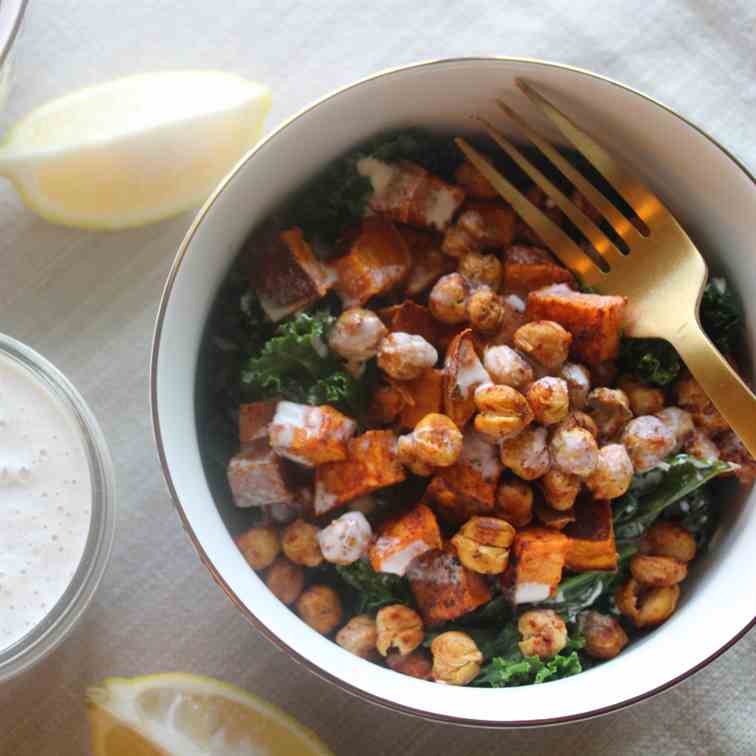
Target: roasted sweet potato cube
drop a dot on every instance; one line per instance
(444, 588)
(258, 477)
(490, 224)
(423, 395)
(529, 268)
(371, 464)
(591, 537)
(463, 373)
(403, 539)
(474, 182)
(310, 435)
(429, 263)
(469, 486)
(536, 568)
(407, 193)
(410, 317)
(552, 518)
(386, 404)
(594, 320)
(288, 277)
(377, 261)
(254, 419)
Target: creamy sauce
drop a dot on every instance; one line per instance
(45, 498)
(380, 174)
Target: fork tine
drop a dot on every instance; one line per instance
(614, 217)
(601, 243)
(559, 243)
(645, 204)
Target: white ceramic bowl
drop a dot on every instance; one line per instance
(710, 192)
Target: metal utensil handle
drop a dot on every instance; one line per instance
(724, 387)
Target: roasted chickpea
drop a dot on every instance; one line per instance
(456, 658)
(458, 242)
(578, 420)
(319, 606)
(613, 473)
(648, 441)
(527, 454)
(404, 356)
(485, 310)
(731, 449)
(508, 368)
(285, 580)
(300, 543)
(679, 422)
(657, 570)
(474, 182)
(560, 489)
(357, 334)
(514, 502)
(436, 441)
(699, 445)
(405, 453)
(544, 341)
(260, 546)
(669, 539)
(417, 664)
(644, 400)
(573, 450)
(549, 399)
(646, 606)
(503, 411)
(610, 410)
(544, 633)
(604, 636)
(346, 539)
(448, 299)
(359, 636)
(483, 543)
(691, 397)
(578, 379)
(400, 628)
(481, 270)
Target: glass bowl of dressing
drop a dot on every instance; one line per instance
(57, 506)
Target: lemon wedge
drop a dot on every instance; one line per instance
(134, 150)
(187, 715)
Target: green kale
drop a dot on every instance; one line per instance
(697, 513)
(653, 491)
(435, 153)
(721, 316)
(652, 361)
(296, 364)
(590, 589)
(513, 669)
(374, 589)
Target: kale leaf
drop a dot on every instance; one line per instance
(590, 589)
(721, 316)
(513, 669)
(374, 589)
(652, 492)
(697, 513)
(296, 364)
(652, 361)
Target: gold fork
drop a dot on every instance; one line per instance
(662, 275)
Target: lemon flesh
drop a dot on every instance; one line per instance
(134, 150)
(187, 715)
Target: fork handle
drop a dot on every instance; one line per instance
(727, 391)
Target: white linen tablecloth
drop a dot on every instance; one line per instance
(87, 301)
